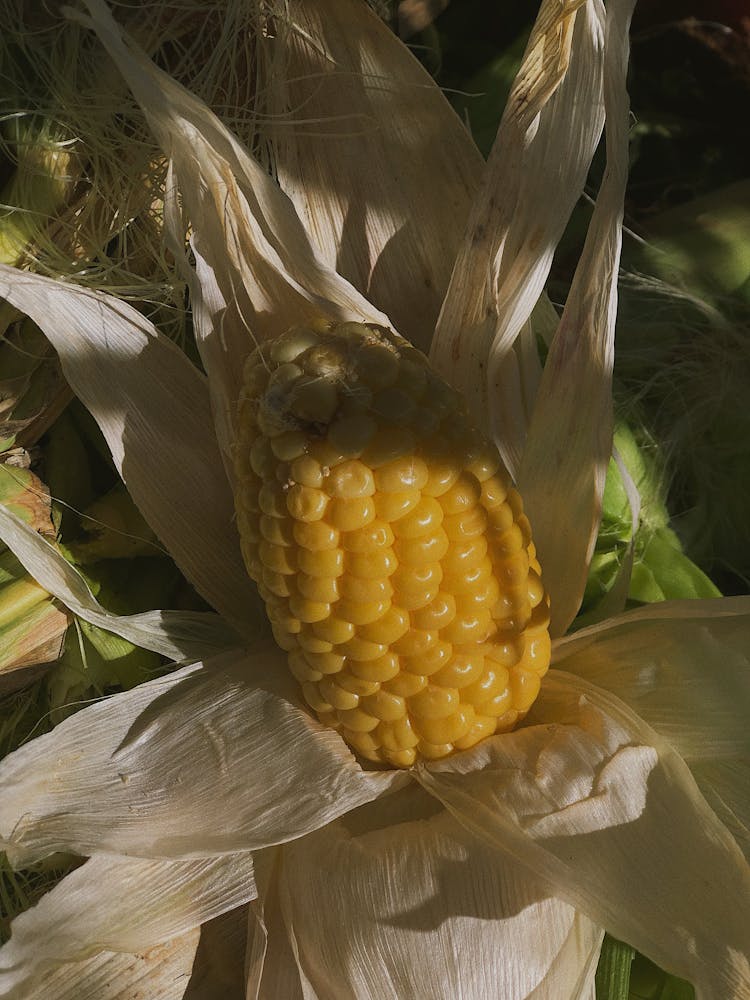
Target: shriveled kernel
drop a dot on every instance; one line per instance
(289, 445)
(388, 444)
(352, 433)
(395, 561)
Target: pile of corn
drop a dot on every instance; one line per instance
(393, 555)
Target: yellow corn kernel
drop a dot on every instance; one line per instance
(393, 555)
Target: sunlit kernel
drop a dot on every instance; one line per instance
(377, 563)
(375, 536)
(305, 503)
(427, 549)
(362, 613)
(463, 668)
(405, 473)
(436, 615)
(350, 479)
(434, 702)
(423, 519)
(448, 729)
(359, 649)
(327, 563)
(350, 515)
(382, 669)
(406, 684)
(392, 506)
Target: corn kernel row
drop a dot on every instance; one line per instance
(392, 553)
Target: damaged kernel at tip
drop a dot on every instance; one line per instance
(391, 549)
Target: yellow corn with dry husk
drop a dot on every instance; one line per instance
(393, 554)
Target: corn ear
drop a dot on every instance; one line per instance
(391, 550)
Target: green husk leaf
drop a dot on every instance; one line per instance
(613, 971)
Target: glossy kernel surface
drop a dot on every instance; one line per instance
(389, 545)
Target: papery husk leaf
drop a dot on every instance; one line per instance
(428, 911)
(32, 639)
(607, 815)
(535, 174)
(160, 972)
(164, 760)
(569, 442)
(119, 904)
(152, 407)
(257, 272)
(378, 165)
(178, 635)
(685, 669)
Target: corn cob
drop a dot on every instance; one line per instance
(392, 553)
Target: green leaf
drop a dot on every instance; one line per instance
(613, 971)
